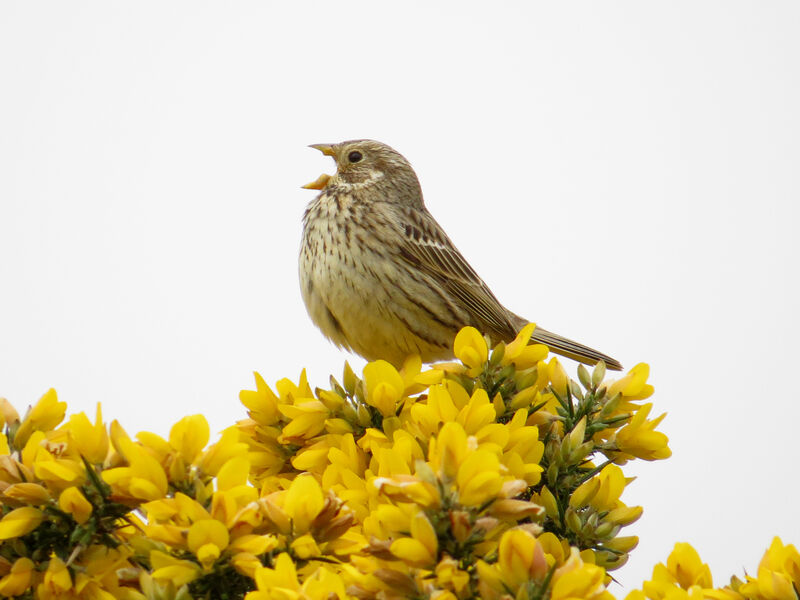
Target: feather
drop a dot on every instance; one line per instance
(429, 249)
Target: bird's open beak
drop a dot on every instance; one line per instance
(319, 183)
(322, 180)
(326, 149)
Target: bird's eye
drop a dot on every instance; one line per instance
(355, 156)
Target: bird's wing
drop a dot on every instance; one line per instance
(427, 247)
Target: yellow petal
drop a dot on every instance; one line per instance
(32, 493)
(586, 581)
(207, 531)
(144, 478)
(558, 377)
(515, 348)
(20, 521)
(72, 501)
(634, 384)
(384, 385)
(254, 544)
(450, 449)
(516, 556)
(412, 551)
(144, 489)
(90, 440)
(531, 356)
(246, 564)
(422, 531)
(584, 493)
(17, 581)
(477, 413)
(624, 515)
(46, 414)
(482, 488)
(284, 575)
(470, 348)
(59, 471)
(168, 568)
(305, 547)
(233, 473)
(189, 436)
(303, 502)
(261, 403)
(207, 554)
(685, 565)
(478, 478)
(10, 414)
(57, 577)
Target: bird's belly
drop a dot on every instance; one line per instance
(362, 300)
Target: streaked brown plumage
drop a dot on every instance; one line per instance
(379, 275)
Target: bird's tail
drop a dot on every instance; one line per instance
(574, 350)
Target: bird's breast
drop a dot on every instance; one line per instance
(330, 258)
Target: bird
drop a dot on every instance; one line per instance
(381, 278)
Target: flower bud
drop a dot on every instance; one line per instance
(573, 520)
(598, 374)
(349, 379)
(583, 376)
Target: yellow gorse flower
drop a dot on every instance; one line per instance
(421, 548)
(778, 574)
(19, 522)
(633, 386)
(45, 415)
(188, 437)
(18, 579)
(498, 476)
(521, 353)
(57, 580)
(640, 440)
(207, 539)
(280, 583)
(303, 502)
(471, 349)
(684, 575)
(525, 569)
(89, 440)
(143, 479)
(579, 579)
(170, 570)
(384, 387)
(72, 501)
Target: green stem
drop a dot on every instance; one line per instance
(594, 471)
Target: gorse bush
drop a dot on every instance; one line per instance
(494, 477)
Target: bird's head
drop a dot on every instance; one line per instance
(367, 163)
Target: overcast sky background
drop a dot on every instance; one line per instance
(626, 174)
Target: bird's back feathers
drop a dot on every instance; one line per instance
(429, 249)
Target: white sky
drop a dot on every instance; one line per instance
(623, 173)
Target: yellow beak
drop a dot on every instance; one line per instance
(322, 180)
(326, 149)
(319, 183)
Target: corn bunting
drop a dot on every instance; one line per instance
(378, 274)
